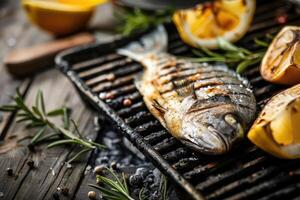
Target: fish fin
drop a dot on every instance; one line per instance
(138, 81)
(153, 42)
(159, 107)
(185, 89)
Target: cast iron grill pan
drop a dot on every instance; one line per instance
(105, 79)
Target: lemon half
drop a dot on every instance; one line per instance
(277, 129)
(60, 17)
(203, 24)
(281, 64)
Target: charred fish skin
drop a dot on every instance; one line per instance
(206, 107)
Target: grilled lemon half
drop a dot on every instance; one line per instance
(203, 24)
(277, 129)
(281, 64)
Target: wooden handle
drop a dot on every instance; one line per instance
(23, 62)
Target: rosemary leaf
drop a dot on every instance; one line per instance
(78, 155)
(137, 20)
(56, 112)
(40, 104)
(113, 188)
(261, 43)
(47, 137)
(38, 135)
(60, 142)
(8, 108)
(237, 57)
(245, 64)
(37, 117)
(66, 118)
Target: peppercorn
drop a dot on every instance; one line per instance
(92, 195)
(30, 163)
(9, 171)
(99, 169)
(65, 191)
(127, 102)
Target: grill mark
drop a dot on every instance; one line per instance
(204, 108)
(175, 70)
(171, 64)
(187, 83)
(238, 94)
(244, 106)
(201, 87)
(211, 102)
(180, 75)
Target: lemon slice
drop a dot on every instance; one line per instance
(203, 24)
(56, 17)
(281, 64)
(277, 129)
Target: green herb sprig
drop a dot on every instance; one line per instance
(232, 55)
(131, 21)
(39, 118)
(113, 188)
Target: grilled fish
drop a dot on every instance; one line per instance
(206, 107)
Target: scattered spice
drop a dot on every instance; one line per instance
(109, 95)
(282, 19)
(99, 169)
(30, 163)
(92, 195)
(65, 191)
(102, 95)
(127, 102)
(55, 196)
(9, 171)
(110, 77)
(31, 147)
(113, 165)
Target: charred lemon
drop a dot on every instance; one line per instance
(281, 64)
(277, 129)
(203, 24)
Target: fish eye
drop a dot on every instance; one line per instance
(230, 119)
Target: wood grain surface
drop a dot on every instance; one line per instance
(50, 171)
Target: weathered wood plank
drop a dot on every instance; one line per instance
(41, 182)
(16, 32)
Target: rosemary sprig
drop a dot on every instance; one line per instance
(138, 20)
(38, 117)
(114, 188)
(232, 55)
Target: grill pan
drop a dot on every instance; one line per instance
(105, 79)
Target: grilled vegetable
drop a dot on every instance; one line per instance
(202, 25)
(281, 64)
(277, 128)
(206, 107)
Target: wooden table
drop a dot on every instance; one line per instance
(50, 171)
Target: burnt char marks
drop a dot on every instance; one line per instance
(189, 74)
(210, 102)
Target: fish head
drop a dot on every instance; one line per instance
(213, 131)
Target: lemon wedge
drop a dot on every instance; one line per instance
(203, 24)
(281, 63)
(60, 17)
(277, 129)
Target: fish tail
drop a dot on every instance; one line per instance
(152, 43)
